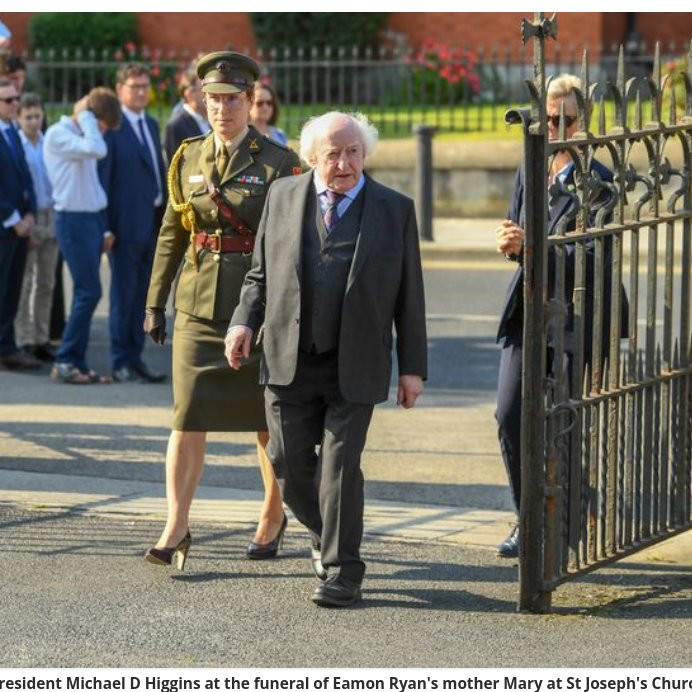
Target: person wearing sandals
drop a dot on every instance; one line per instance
(71, 149)
(217, 188)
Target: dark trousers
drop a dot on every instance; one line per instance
(508, 414)
(130, 272)
(13, 250)
(509, 404)
(323, 489)
(57, 310)
(130, 263)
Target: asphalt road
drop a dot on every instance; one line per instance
(75, 593)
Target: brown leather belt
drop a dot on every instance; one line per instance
(225, 243)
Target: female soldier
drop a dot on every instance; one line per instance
(218, 186)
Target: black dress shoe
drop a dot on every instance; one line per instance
(337, 592)
(316, 561)
(510, 546)
(45, 352)
(126, 374)
(20, 361)
(142, 369)
(265, 551)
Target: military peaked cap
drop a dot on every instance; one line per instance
(225, 72)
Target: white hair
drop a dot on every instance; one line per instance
(562, 86)
(316, 128)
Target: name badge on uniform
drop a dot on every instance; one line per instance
(196, 178)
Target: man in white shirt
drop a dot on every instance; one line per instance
(133, 176)
(71, 149)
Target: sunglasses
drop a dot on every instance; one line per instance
(10, 99)
(264, 103)
(554, 120)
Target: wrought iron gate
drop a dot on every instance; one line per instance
(607, 438)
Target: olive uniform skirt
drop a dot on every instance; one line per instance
(208, 395)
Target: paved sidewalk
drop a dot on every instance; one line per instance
(233, 506)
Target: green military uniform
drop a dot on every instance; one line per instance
(215, 255)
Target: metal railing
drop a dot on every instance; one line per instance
(451, 89)
(607, 422)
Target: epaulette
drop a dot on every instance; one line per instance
(276, 144)
(257, 137)
(196, 137)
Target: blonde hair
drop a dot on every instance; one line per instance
(316, 128)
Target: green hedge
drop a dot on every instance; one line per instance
(308, 29)
(82, 30)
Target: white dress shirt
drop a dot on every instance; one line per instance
(70, 152)
(345, 203)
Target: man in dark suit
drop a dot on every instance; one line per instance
(17, 214)
(336, 265)
(190, 119)
(133, 176)
(510, 242)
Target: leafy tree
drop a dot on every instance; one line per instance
(82, 30)
(320, 29)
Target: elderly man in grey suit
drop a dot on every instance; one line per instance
(336, 265)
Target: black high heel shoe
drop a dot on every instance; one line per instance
(164, 556)
(264, 551)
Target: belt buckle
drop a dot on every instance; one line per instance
(214, 242)
(215, 248)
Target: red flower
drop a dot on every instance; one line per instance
(130, 47)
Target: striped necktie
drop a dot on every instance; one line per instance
(331, 214)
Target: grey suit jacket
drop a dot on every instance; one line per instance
(384, 288)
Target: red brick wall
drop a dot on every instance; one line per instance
(202, 31)
(614, 30)
(18, 24)
(677, 27)
(500, 29)
(205, 31)
(213, 31)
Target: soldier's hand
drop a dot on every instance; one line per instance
(155, 324)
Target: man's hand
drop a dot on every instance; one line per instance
(410, 388)
(510, 238)
(81, 105)
(23, 228)
(108, 242)
(238, 341)
(155, 324)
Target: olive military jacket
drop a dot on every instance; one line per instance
(210, 282)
